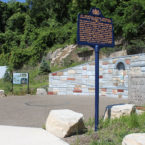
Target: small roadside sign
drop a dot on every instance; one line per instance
(20, 78)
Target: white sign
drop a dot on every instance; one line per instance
(2, 71)
(20, 78)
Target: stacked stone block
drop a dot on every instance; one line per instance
(80, 80)
(113, 81)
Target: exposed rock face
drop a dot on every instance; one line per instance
(73, 54)
(63, 123)
(116, 111)
(134, 139)
(2, 93)
(62, 54)
(41, 91)
(69, 53)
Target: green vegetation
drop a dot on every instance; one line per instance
(82, 49)
(90, 126)
(38, 77)
(29, 30)
(44, 67)
(35, 78)
(111, 132)
(7, 76)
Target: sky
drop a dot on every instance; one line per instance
(16, 0)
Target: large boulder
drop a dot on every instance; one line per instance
(64, 123)
(134, 139)
(2, 93)
(116, 111)
(41, 91)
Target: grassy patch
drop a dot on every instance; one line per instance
(57, 68)
(90, 126)
(5, 86)
(112, 132)
(35, 81)
(82, 49)
(56, 46)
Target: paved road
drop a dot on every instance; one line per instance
(32, 111)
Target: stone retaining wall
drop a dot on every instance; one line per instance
(80, 80)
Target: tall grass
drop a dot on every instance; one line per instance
(112, 132)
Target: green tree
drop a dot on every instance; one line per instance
(5, 13)
(76, 7)
(44, 67)
(28, 30)
(7, 76)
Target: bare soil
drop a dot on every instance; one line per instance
(83, 139)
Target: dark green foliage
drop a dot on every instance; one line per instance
(44, 67)
(16, 22)
(112, 132)
(67, 62)
(136, 46)
(7, 76)
(28, 30)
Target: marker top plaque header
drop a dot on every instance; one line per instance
(94, 29)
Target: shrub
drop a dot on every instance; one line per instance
(44, 67)
(7, 76)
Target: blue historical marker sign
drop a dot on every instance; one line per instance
(94, 29)
(97, 31)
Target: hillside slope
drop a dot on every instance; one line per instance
(28, 31)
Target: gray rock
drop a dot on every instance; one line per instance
(139, 112)
(63, 123)
(134, 139)
(58, 56)
(117, 111)
(2, 93)
(41, 91)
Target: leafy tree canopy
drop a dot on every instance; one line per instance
(29, 30)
